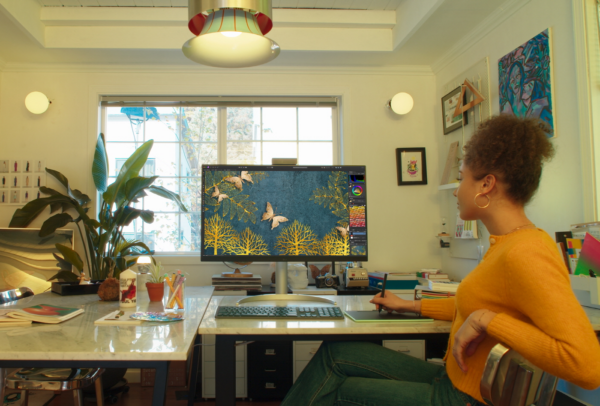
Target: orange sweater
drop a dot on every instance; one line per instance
(524, 280)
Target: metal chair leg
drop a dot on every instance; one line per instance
(24, 397)
(78, 395)
(99, 392)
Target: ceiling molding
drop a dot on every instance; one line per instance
(406, 70)
(484, 28)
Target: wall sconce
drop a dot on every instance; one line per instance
(37, 102)
(402, 103)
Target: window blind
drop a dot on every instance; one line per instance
(229, 101)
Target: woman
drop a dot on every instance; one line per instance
(518, 295)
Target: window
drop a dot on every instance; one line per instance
(187, 135)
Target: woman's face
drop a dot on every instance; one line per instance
(515, 81)
(465, 194)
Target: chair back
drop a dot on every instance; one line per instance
(15, 294)
(510, 380)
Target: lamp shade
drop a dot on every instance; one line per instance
(37, 102)
(231, 38)
(402, 103)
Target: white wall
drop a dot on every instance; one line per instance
(400, 221)
(559, 201)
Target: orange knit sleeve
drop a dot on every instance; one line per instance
(552, 331)
(439, 309)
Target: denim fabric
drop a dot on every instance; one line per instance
(366, 374)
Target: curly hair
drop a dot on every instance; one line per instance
(512, 149)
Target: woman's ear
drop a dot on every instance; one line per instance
(488, 183)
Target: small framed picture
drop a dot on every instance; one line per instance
(15, 181)
(449, 103)
(411, 166)
(15, 166)
(4, 165)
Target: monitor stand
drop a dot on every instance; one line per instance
(281, 288)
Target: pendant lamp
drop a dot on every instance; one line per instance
(230, 33)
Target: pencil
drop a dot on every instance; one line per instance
(383, 289)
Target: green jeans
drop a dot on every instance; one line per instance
(366, 374)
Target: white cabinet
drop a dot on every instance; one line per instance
(303, 352)
(414, 348)
(208, 368)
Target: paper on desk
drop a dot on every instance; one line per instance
(123, 320)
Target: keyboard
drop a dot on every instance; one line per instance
(279, 312)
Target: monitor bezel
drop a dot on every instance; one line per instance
(278, 258)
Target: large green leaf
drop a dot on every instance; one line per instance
(62, 264)
(100, 165)
(126, 215)
(136, 185)
(167, 194)
(147, 216)
(54, 222)
(24, 216)
(70, 256)
(65, 276)
(81, 198)
(130, 169)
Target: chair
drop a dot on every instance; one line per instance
(510, 380)
(54, 379)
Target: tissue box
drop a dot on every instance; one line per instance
(587, 290)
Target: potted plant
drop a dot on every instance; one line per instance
(106, 250)
(156, 285)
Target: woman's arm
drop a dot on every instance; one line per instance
(441, 309)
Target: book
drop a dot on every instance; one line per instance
(443, 286)
(377, 283)
(589, 257)
(423, 292)
(394, 276)
(6, 321)
(373, 316)
(45, 313)
(465, 229)
(574, 246)
(118, 318)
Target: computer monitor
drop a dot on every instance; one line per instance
(287, 213)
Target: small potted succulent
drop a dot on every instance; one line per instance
(156, 285)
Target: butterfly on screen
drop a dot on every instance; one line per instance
(343, 231)
(238, 180)
(269, 215)
(219, 195)
(314, 271)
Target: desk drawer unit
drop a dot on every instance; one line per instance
(271, 375)
(303, 352)
(208, 368)
(414, 348)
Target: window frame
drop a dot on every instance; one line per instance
(222, 103)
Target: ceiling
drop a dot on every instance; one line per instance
(324, 33)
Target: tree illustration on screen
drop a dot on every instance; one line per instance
(334, 196)
(297, 239)
(247, 243)
(218, 233)
(335, 243)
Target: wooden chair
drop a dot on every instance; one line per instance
(510, 380)
(54, 379)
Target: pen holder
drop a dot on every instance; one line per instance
(175, 296)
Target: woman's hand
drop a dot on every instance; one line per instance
(470, 334)
(392, 303)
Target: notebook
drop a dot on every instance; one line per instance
(373, 316)
(118, 318)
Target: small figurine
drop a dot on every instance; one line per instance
(83, 280)
(443, 233)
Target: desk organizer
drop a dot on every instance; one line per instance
(74, 288)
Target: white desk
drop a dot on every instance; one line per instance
(227, 332)
(80, 343)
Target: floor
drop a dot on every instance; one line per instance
(141, 396)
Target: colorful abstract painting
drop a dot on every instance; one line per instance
(525, 85)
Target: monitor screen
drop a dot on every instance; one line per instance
(284, 213)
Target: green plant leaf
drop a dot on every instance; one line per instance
(167, 194)
(24, 216)
(126, 215)
(147, 216)
(54, 222)
(63, 265)
(80, 197)
(65, 276)
(130, 169)
(70, 256)
(136, 185)
(100, 165)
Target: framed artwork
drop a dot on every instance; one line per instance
(20, 180)
(525, 80)
(411, 166)
(449, 103)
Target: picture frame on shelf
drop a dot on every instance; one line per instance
(449, 102)
(411, 166)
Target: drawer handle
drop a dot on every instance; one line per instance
(270, 385)
(270, 370)
(402, 350)
(270, 352)
(312, 352)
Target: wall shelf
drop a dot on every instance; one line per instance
(448, 186)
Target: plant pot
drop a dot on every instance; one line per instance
(156, 291)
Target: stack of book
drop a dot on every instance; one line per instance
(395, 280)
(443, 286)
(42, 313)
(423, 292)
(237, 283)
(425, 276)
